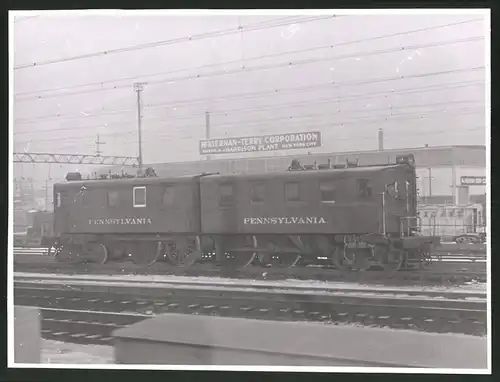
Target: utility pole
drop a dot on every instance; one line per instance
(46, 194)
(430, 181)
(98, 145)
(207, 129)
(138, 88)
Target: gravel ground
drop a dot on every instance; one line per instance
(67, 353)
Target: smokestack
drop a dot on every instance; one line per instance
(380, 139)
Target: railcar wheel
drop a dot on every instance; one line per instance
(117, 251)
(96, 253)
(390, 258)
(363, 258)
(279, 260)
(238, 259)
(339, 259)
(183, 252)
(146, 253)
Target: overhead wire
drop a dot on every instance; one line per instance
(328, 85)
(261, 67)
(392, 116)
(200, 36)
(146, 120)
(422, 89)
(273, 55)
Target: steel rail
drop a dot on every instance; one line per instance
(434, 315)
(451, 273)
(264, 286)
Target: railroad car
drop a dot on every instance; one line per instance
(38, 232)
(348, 215)
(144, 218)
(353, 216)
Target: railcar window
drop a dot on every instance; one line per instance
(58, 199)
(257, 192)
(292, 192)
(364, 188)
(327, 190)
(226, 197)
(168, 196)
(112, 198)
(139, 197)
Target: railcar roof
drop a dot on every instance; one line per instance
(309, 173)
(129, 181)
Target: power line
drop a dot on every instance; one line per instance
(422, 89)
(261, 119)
(329, 46)
(326, 86)
(416, 115)
(219, 33)
(264, 67)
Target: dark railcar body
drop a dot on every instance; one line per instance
(127, 206)
(339, 201)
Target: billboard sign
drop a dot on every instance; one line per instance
(272, 142)
(473, 180)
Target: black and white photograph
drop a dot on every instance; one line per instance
(250, 190)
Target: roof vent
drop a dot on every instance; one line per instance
(73, 176)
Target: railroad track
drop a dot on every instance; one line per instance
(444, 272)
(88, 312)
(441, 257)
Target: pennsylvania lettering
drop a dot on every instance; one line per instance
(286, 220)
(119, 221)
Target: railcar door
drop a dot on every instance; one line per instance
(62, 205)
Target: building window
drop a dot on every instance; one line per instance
(226, 197)
(364, 188)
(168, 196)
(112, 198)
(257, 192)
(292, 192)
(327, 190)
(139, 196)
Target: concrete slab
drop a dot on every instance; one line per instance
(27, 334)
(178, 339)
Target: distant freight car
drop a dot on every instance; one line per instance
(353, 216)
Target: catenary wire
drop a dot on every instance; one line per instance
(146, 120)
(437, 87)
(258, 68)
(329, 46)
(200, 36)
(385, 117)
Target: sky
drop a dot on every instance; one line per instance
(419, 77)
